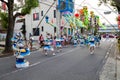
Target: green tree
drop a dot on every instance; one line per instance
(25, 7)
(4, 20)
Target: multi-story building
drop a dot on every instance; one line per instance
(36, 21)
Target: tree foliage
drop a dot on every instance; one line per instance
(29, 5)
(26, 9)
(114, 3)
(4, 20)
(14, 11)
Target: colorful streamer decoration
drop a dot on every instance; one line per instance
(52, 24)
(81, 11)
(103, 26)
(69, 19)
(86, 18)
(97, 20)
(79, 23)
(77, 15)
(92, 14)
(74, 21)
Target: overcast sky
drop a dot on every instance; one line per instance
(93, 6)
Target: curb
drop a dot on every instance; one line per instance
(118, 70)
(107, 69)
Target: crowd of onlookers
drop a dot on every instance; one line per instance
(64, 39)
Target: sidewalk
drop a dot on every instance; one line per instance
(36, 45)
(118, 69)
(111, 69)
(2, 43)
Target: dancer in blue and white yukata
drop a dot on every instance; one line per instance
(20, 51)
(86, 41)
(92, 43)
(97, 40)
(48, 47)
(75, 41)
(59, 44)
(82, 40)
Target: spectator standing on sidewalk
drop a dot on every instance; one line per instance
(65, 40)
(54, 42)
(41, 40)
(31, 42)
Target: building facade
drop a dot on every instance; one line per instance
(36, 24)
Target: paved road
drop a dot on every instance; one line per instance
(71, 64)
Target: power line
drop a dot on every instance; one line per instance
(104, 18)
(44, 16)
(80, 5)
(47, 4)
(110, 8)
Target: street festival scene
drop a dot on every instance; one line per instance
(59, 40)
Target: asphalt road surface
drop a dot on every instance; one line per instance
(73, 63)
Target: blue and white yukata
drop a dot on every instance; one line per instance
(82, 41)
(75, 42)
(48, 46)
(92, 42)
(58, 43)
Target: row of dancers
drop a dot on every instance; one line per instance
(90, 40)
(51, 45)
(57, 43)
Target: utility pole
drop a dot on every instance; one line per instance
(58, 19)
(44, 16)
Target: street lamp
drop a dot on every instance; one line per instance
(107, 12)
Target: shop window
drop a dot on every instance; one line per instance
(41, 13)
(55, 30)
(36, 32)
(42, 28)
(54, 13)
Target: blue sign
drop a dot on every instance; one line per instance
(46, 18)
(65, 5)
